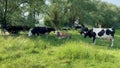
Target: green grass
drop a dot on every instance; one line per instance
(40, 52)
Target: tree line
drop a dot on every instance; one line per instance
(58, 13)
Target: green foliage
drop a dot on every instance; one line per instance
(59, 12)
(12, 12)
(47, 21)
(90, 12)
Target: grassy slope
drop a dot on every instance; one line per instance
(39, 52)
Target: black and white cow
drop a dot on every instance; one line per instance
(106, 33)
(40, 30)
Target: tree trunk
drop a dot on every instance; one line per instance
(4, 21)
(55, 20)
(71, 21)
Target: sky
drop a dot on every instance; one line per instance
(116, 2)
(47, 2)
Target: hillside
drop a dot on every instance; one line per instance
(21, 51)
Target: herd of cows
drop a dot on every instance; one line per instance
(106, 33)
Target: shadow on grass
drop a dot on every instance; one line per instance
(77, 38)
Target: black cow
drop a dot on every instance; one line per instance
(16, 29)
(107, 33)
(40, 30)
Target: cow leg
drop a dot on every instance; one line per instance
(37, 34)
(81, 33)
(47, 33)
(29, 33)
(112, 42)
(94, 40)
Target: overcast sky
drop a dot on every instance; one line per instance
(116, 2)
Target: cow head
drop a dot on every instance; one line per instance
(84, 30)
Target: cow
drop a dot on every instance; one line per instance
(40, 30)
(16, 29)
(61, 35)
(105, 33)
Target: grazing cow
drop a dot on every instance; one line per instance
(62, 34)
(40, 30)
(16, 29)
(106, 33)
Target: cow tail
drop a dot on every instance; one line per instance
(113, 31)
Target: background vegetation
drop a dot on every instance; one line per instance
(59, 13)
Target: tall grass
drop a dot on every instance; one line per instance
(40, 52)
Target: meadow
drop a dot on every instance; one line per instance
(21, 51)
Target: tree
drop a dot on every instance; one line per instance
(11, 11)
(54, 13)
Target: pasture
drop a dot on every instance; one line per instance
(21, 51)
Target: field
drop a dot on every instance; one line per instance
(21, 51)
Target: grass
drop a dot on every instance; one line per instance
(40, 52)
